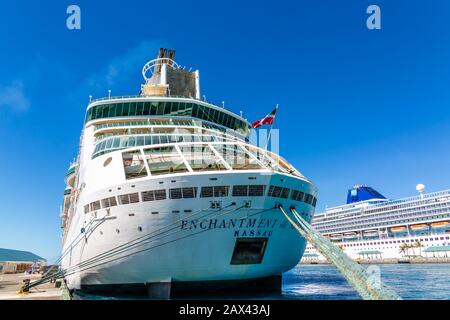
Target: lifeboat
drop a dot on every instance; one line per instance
(419, 226)
(441, 224)
(336, 236)
(370, 233)
(350, 235)
(398, 229)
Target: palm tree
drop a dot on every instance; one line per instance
(419, 245)
(403, 248)
(411, 246)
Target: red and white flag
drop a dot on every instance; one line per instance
(266, 120)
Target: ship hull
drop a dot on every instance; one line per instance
(188, 243)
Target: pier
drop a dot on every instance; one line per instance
(11, 283)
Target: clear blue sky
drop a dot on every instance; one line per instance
(356, 106)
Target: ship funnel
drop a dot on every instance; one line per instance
(164, 77)
(362, 193)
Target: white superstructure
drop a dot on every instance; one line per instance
(166, 189)
(372, 227)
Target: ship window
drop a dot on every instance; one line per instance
(249, 251)
(175, 193)
(146, 109)
(86, 208)
(189, 192)
(285, 193)
(148, 196)
(160, 194)
(221, 191)
(109, 202)
(206, 192)
(133, 165)
(161, 108)
(275, 191)
(164, 160)
(256, 190)
(297, 195)
(124, 199)
(240, 191)
(95, 205)
(129, 198)
(134, 197)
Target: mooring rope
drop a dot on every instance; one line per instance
(353, 272)
(127, 246)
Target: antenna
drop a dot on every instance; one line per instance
(420, 188)
(223, 104)
(90, 98)
(109, 93)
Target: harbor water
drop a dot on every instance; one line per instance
(324, 282)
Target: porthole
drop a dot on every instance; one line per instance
(117, 230)
(101, 233)
(140, 229)
(107, 161)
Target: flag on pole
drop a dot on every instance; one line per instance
(266, 120)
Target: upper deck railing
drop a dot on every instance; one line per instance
(141, 96)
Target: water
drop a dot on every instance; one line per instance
(324, 282)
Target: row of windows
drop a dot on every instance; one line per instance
(390, 223)
(162, 122)
(420, 214)
(394, 241)
(216, 191)
(280, 192)
(117, 143)
(169, 108)
(414, 211)
(389, 207)
(184, 193)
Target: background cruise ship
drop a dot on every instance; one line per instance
(370, 226)
(168, 195)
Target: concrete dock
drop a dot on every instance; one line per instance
(10, 284)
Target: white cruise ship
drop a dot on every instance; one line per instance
(167, 195)
(371, 227)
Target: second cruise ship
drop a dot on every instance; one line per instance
(167, 195)
(371, 227)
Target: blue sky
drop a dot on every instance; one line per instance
(356, 105)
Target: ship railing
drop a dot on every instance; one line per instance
(219, 105)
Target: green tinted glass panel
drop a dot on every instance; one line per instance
(164, 109)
